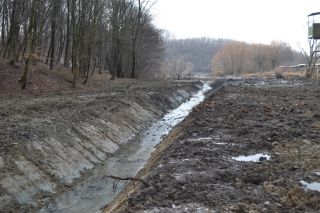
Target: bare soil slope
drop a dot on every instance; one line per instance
(43, 81)
(50, 139)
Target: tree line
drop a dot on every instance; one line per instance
(186, 57)
(239, 57)
(86, 36)
(202, 56)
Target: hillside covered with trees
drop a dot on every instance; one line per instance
(204, 56)
(117, 38)
(185, 57)
(239, 57)
(86, 36)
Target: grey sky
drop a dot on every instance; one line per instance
(258, 21)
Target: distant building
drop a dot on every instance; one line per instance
(298, 67)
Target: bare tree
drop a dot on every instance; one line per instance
(16, 19)
(312, 56)
(138, 17)
(86, 34)
(30, 43)
(54, 13)
(232, 57)
(279, 52)
(260, 57)
(240, 57)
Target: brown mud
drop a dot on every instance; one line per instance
(50, 142)
(198, 171)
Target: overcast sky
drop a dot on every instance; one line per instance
(254, 21)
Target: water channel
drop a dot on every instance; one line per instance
(94, 193)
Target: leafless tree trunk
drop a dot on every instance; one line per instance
(66, 55)
(30, 44)
(312, 56)
(75, 43)
(86, 34)
(10, 50)
(55, 10)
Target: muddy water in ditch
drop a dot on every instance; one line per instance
(94, 193)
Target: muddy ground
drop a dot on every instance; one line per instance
(50, 141)
(198, 172)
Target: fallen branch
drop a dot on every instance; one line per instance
(128, 178)
(118, 179)
(113, 107)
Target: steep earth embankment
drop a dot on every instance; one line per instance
(50, 142)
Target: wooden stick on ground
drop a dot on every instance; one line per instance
(118, 179)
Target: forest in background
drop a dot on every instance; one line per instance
(117, 38)
(237, 57)
(189, 57)
(204, 56)
(86, 36)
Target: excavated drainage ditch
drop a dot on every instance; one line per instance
(94, 193)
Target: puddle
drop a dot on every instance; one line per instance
(222, 144)
(315, 186)
(200, 139)
(207, 139)
(93, 193)
(186, 208)
(252, 158)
